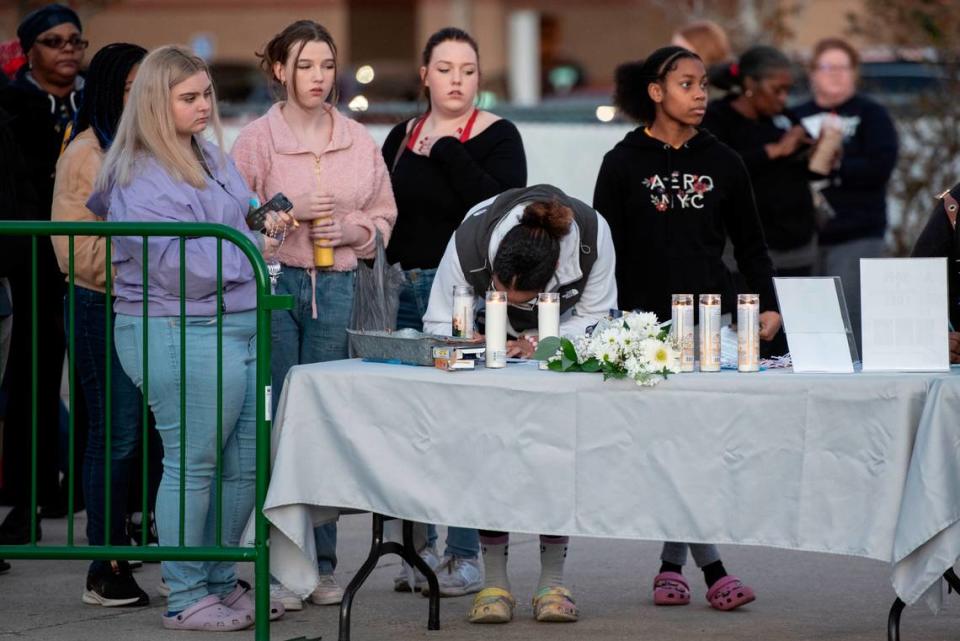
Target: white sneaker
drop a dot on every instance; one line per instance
(458, 576)
(290, 600)
(401, 582)
(327, 592)
(163, 589)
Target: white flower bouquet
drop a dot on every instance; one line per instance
(633, 346)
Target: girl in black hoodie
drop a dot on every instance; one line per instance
(672, 194)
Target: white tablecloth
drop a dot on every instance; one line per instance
(806, 462)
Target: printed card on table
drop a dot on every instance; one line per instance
(816, 324)
(904, 314)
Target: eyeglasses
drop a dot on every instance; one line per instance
(527, 306)
(59, 42)
(833, 68)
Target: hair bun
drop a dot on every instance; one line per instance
(550, 216)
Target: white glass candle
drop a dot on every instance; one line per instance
(748, 332)
(548, 317)
(709, 332)
(681, 329)
(462, 321)
(496, 329)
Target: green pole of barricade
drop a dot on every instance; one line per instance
(266, 304)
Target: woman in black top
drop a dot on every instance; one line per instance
(672, 194)
(441, 164)
(754, 120)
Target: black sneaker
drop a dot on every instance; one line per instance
(114, 587)
(4, 566)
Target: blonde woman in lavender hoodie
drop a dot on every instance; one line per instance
(333, 172)
(160, 168)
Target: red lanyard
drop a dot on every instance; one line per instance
(464, 136)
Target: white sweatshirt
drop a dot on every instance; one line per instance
(597, 299)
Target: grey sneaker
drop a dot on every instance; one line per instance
(401, 582)
(327, 592)
(291, 601)
(458, 576)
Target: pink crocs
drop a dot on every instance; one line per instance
(729, 593)
(670, 588)
(241, 600)
(208, 615)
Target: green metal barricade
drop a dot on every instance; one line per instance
(266, 302)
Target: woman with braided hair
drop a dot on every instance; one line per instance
(112, 70)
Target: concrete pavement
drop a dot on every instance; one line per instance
(801, 595)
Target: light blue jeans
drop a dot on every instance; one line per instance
(298, 338)
(463, 543)
(190, 581)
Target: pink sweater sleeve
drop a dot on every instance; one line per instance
(251, 159)
(379, 211)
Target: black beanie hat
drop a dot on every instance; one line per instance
(43, 19)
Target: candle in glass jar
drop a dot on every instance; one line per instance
(462, 321)
(748, 332)
(709, 332)
(548, 317)
(496, 329)
(681, 329)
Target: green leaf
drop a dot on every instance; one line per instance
(555, 366)
(546, 348)
(569, 351)
(567, 364)
(590, 365)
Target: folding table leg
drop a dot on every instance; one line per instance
(378, 548)
(952, 580)
(893, 621)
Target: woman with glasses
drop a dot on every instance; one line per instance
(523, 242)
(856, 187)
(42, 101)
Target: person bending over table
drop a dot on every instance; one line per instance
(525, 241)
(939, 238)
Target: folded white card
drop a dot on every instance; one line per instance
(816, 327)
(904, 314)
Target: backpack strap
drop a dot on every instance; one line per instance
(951, 207)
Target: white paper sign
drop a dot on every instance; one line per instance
(812, 318)
(904, 314)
